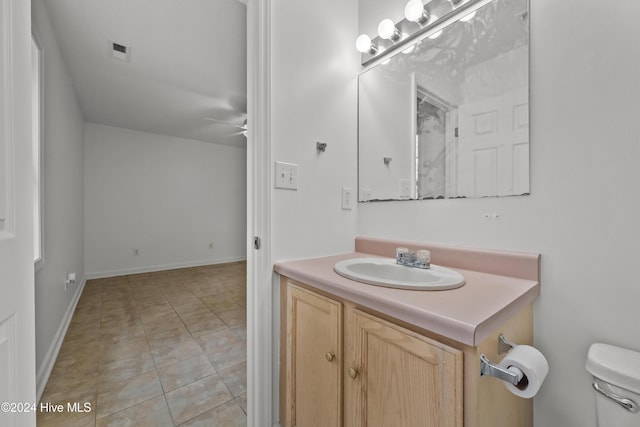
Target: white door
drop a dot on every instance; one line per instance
(493, 146)
(17, 330)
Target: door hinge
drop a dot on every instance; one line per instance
(256, 242)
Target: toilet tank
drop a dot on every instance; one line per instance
(616, 381)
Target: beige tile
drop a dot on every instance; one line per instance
(219, 303)
(154, 306)
(123, 349)
(184, 372)
(229, 355)
(162, 326)
(228, 414)
(167, 355)
(151, 320)
(119, 295)
(134, 364)
(128, 343)
(206, 325)
(61, 388)
(76, 366)
(168, 337)
(195, 306)
(119, 316)
(203, 313)
(234, 317)
(80, 349)
(242, 401)
(120, 395)
(134, 328)
(196, 398)
(235, 378)
(152, 413)
(150, 302)
(240, 331)
(216, 341)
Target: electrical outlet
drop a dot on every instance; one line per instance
(70, 280)
(347, 198)
(286, 176)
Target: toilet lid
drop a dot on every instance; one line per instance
(616, 365)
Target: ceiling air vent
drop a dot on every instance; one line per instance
(120, 51)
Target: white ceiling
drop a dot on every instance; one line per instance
(188, 62)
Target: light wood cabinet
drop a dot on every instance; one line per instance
(397, 377)
(390, 375)
(313, 368)
(384, 372)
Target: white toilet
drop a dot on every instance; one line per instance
(616, 380)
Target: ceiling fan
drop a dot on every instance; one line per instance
(240, 128)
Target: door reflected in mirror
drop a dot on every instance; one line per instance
(450, 117)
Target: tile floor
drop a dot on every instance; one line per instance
(156, 349)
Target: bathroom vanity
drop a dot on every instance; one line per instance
(354, 354)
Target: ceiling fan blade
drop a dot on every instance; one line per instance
(229, 135)
(235, 125)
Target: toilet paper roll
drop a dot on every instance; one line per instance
(533, 365)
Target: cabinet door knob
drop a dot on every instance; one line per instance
(330, 356)
(353, 372)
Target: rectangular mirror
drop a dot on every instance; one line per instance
(449, 115)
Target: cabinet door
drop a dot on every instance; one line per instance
(395, 377)
(314, 360)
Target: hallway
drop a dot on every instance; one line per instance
(158, 349)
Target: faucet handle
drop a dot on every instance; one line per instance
(401, 253)
(423, 258)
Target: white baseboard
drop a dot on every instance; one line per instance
(152, 268)
(44, 370)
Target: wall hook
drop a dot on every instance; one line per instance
(321, 146)
(387, 160)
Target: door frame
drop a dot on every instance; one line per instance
(17, 309)
(259, 265)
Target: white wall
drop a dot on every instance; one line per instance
(167, 197)
(314, 98)
(386, 129)
(314, 68)
(582, 215)
(63, 205)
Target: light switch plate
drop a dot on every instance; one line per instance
(286, 176)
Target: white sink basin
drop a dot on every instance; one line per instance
(385, 272)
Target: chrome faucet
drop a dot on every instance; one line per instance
(416, 259)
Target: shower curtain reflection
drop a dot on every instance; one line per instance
(430, 148)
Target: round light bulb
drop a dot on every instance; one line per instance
(414, 10)
(468, 17)
(387, 29)
(363, 43)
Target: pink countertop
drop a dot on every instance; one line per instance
(467, 314)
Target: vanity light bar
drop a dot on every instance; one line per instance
(410, 31)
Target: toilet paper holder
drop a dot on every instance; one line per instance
(511, 375)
